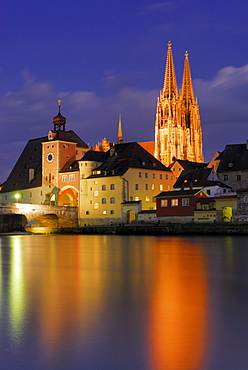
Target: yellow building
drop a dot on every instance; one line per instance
(216, 209)
(127, 173)
(178, 133)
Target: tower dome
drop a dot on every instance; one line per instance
(59, 121)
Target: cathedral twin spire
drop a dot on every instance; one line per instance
(177, 127)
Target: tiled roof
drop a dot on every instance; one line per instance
(197, 177)
(233, 158)
(70, 166)
(30, 158)
(121, 157)
(187, 165)
(93, 155)
(177, 193)
(70, 136)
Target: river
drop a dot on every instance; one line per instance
(123, 302)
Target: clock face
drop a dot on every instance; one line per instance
(50, 157)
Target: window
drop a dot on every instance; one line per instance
(104, 212)
(95, 182)
(238, 177)
(161, 188)
(96, 206)
(164, 203)
(208, 192)
(96, 193)
(64, 177)
(225, 177)
(161, 176)
(112, 200)
(112, 187)
(131, 199)
(245, 199)
(140, 174)
(146, 175)
(30, 195)
(87, 212)
(185, 201)
(205, 208)
(136, 186)
(153, 187)
(112, 211)
(72, 177)
(143, 163)
(136, 199)
(103, 187)
(146, 186)
(166, 177)
(148, 199)
(174, 202)
(104, 200)
(154, 176)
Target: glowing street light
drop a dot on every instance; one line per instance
(17, 196)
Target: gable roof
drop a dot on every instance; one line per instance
(187, 165)
(30, 158)
(195, 178)
(179, 193)
(233, 158)
(123, 156)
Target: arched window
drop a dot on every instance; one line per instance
(104, 200)
(112, 186)
(136, 186)
(96, 206)
(112, 200)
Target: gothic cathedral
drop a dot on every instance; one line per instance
(178, 133)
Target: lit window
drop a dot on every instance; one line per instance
(112, 187)
(161, 187)
(148, 199)
(164, 203)
(96, 206)
(153, 187)
(103, 187)
(64, 177)
(72, 177)
(96, 193)
(185, 201)
(95, 182)
(136, 186)
(104, 200)
(136, 199)
(112, 200)
(174, 202)
(104, 212)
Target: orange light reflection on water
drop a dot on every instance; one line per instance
(178, 311)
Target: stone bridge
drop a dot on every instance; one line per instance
(62, 216)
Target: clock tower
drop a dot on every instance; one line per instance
(56, 151)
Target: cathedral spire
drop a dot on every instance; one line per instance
(170, 83)
(187, 93)
(120, 137)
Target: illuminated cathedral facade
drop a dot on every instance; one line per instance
(178, 133)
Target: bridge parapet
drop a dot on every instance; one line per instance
(32, 211)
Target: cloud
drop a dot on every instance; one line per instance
(223, 107)
(28, 113)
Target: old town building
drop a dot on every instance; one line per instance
(178, 131)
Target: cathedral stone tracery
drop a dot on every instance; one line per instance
(178, 131)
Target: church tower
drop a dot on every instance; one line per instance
(177, 126)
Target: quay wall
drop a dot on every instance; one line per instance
(223, 228)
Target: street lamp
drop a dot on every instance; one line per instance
(17, 196)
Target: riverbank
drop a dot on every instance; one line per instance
(163, 229)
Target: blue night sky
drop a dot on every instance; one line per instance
(107, 57)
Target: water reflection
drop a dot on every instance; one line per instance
(178, 326)
(113, 302)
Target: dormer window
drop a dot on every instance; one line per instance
(143, 163)
(230, 164)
